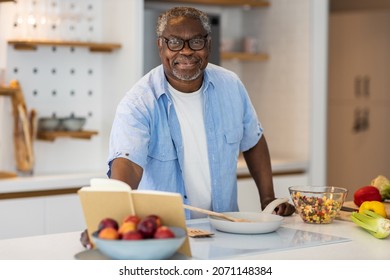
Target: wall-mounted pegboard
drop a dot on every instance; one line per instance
(58, 80)
(76, 20)
(61, 82)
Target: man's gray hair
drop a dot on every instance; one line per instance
(188, 12)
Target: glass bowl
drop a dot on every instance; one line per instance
(318, 205)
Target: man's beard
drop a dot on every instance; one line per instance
(186, 76)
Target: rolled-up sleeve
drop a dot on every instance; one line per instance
(252, 126)
(130, 134)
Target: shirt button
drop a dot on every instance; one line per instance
(185, 197)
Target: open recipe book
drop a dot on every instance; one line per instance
(112, 198)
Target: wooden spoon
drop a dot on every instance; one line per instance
(216, 214)
(268, 210)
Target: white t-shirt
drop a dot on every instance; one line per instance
(196, 172)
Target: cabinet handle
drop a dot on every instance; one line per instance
(365, 119)
(358, 82)
(357, 124)
(366, 86)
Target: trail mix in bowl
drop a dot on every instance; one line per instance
(318, 210)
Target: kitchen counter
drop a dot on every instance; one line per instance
(48, 182)
(72, 180)
(356, 244)
(279, 166)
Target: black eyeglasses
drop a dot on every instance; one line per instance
(176, 44)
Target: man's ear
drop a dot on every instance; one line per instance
(159, 45)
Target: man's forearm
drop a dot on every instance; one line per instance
(259, 165)
(127, 171)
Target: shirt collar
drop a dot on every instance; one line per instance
(161, 82)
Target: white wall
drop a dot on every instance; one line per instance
(280, 87)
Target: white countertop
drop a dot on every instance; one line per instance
(360, 245)
(278, 165)
(48, 182)
(71, 180)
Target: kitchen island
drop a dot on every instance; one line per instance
(52, 204)
(341, 240)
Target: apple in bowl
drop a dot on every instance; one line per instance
(150, 239)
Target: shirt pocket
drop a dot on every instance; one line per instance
(162, 151)
(232, 145)
(233, 136)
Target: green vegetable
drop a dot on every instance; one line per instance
(374, 223)
(383, 185)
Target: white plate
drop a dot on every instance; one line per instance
(262, 223)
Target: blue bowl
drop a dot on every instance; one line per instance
(144, 249)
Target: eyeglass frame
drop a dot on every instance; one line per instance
(166, 40)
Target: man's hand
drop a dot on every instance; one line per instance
(84, 239)
(285, 209)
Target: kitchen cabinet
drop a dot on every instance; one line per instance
(359, 99)
(248, 196)
(22, 217)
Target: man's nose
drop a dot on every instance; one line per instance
(186, 48)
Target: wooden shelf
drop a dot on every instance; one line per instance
(7, 175)
(250, 3)
(7, 1)
(52, 135)
(20, 44)
(244, 56)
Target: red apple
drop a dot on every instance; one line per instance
(156, 218)
(108, 223)
(132, 218)
(163, 232)
(147, 227)
(132, 235)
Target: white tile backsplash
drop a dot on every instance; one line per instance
(279, 87)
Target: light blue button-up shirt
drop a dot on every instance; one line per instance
(146, 131)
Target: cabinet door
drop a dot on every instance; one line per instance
(248, 196)
(21, 217)
(63, 214)
(358, 55)
(283, 182)
(359, 94)
(356, 157)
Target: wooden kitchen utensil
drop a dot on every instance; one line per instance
(215, 214)
(198, 233)
(268, 210)
(23, 130)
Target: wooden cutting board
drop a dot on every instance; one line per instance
(346, 216)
